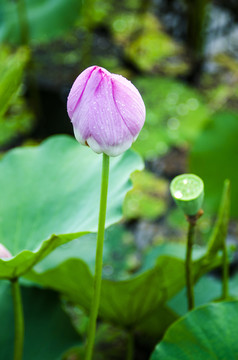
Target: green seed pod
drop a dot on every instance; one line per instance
(188, 192)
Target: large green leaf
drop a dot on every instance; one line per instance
(175, 115)
(205, 333)
(48, 331)
(122, 302)
(213, 158)
(50, 195)
(45, 19)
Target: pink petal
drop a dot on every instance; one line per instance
(98, 120)
(4, 253)
(106, 110)
(129, 103)
(78, 89)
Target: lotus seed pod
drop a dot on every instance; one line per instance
(188, 192)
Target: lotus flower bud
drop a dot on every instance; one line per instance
(4, 253)
(106, 110)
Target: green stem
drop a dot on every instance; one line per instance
(130, 347)
(19, 320)
(99, 259)
(225, 270)
(188, 265)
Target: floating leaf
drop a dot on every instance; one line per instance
(50, 195)
(48, 331)
(205, 333)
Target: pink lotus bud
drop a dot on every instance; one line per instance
(106, 110)
(4, 253)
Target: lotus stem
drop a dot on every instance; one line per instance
(188, 264)
(130, 346)
(19, 320)
(99, 259)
